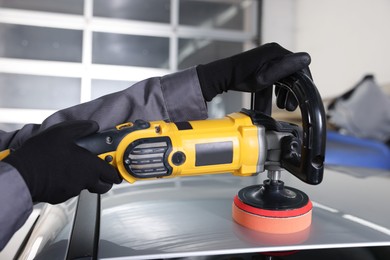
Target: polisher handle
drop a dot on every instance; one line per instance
(308, 163)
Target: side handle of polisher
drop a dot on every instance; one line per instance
(308, 163)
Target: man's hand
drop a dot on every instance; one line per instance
(56, 169)
(253, 71)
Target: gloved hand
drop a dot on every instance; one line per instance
(253, 71)
(56, 169)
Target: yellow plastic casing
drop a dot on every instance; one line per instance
(240, 139)
(235, 131)
(4, 154)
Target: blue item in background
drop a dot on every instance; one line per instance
(345, 150)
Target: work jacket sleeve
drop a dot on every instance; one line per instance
(15, 202)
(174, 97)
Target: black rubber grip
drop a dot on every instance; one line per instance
(309, 166)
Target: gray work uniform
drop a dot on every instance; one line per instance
(174, 97)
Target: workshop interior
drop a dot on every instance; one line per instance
(253, 181)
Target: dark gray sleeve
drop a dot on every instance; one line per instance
(174, 97)
(15, 201)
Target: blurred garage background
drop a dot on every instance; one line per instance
(57, 53)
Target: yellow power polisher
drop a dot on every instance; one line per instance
(244, 143)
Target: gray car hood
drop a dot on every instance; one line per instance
(191, 217)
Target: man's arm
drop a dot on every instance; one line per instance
(174, 97)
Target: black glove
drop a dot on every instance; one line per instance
(253, 71)
(56, 169)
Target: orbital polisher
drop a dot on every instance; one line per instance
(245, 143)
(272, 207)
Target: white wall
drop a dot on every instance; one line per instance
(346, 38)
(278, 22)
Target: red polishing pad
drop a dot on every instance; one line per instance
(262, 209)
(272, 221)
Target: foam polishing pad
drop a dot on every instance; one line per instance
(272, 208)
